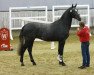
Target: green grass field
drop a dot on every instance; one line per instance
(46, 59)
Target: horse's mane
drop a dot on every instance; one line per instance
(65, 13)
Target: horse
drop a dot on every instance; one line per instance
(55, 31)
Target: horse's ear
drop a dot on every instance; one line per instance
(75, 5)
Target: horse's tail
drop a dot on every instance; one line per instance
(21, 42)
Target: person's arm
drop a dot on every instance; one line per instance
(80, 32)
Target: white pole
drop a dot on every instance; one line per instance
(52, 43)
(10, 30)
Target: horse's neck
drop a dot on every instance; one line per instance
(66, 20)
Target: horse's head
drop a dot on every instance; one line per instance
(74, 13)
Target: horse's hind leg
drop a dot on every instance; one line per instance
(22, 54)
(30, 52)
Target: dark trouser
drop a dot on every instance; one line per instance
(85, 53)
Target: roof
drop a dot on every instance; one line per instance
(5, 4)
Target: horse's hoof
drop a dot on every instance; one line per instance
(22, 65)
(62, 63)
(34, 63)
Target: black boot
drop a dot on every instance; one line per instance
(82, 67)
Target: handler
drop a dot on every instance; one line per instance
(83, 32)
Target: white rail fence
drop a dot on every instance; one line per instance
(57, 11)
(83, 10)
(29, 19)
(12, 17)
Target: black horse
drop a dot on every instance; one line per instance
(56, 31)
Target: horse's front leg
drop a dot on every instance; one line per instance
(60, 52)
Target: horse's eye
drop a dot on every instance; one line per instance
(76, 10)
(70, 10)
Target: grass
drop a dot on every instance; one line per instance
(46, 59)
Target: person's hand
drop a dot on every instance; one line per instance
(78, 29)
